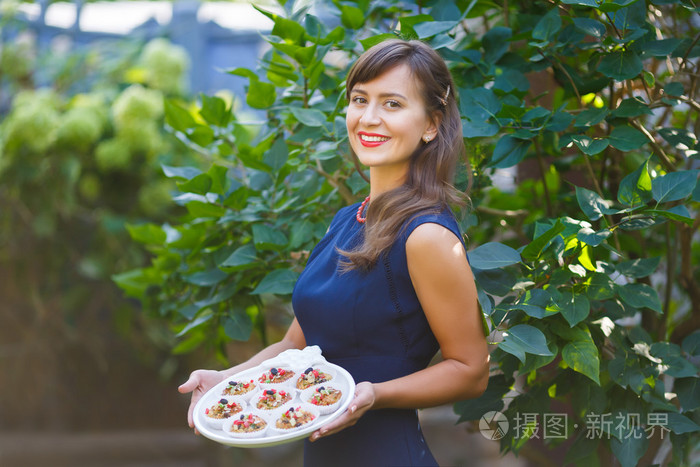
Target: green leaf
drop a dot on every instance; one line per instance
(136, 282)
(590, 146)
(591, 3)
(493, 255)
(479, 106)
(678, 213)
(592, 205)
(661, 48)
(632, 107)
(181, 172)
(214, 110)
(199, 185)
(679, 367)
(266, 237)
(276, 157)
(351, 16)
(574, 307)
(591, 117)
(582, 356)
(374, 40)
(302, 231)
(219, 180)
(674, 185)
(621, 65)
(309, 117)
(534, 302)
(688, 392)
(203, 318)
(522, 339)
(178, 117)
(680, 424)
(679, 138)
(510, 80)
(242, 257)
(433, 28)
(508, 152)
(591, 237)
(592, 27)
(238, 325)
(674, 89)
(149, 234)
(635, 188)
(630, 449)
(637, 268)
(626, 138)
(600, 287)
(206, 278)
(535, 248)
(640, 296)
(495, 43)
(285, 28)
(260, 95)
(202, 209)
(498, 282)
(691, 344)
(548, 26)
(279, 281)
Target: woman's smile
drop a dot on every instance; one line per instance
(372, 140)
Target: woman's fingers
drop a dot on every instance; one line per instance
(189, 385)
(199, 382)
(361, 403)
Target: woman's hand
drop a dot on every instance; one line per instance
(363, 401)
(199, 383)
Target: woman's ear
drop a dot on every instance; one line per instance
(431, 131)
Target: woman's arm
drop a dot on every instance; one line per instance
(200, 381)
(445, 287)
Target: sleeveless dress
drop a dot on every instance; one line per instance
(372, 324)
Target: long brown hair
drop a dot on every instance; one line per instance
(429, 185)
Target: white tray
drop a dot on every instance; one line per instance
(298, 360)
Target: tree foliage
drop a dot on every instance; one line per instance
(586, 263)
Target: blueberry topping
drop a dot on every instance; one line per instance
(270, 392)
(223, 401)
(273, 371)
(232, 383)
(308, 370)
(291, 409)
(242, 417)
(320, 389)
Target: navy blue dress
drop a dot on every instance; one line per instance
(371, 324)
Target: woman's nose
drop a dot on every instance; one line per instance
(370, 116)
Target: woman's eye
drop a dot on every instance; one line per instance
(393, 104)
(359, 100)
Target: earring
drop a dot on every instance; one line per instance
(426, 139)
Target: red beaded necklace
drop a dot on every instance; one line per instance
(358, 216)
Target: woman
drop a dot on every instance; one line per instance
(389, 285)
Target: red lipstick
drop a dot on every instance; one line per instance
(378, 139)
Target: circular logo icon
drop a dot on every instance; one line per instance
(493, 425)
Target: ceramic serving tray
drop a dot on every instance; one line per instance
(297, 361)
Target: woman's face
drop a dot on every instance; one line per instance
(386, 120)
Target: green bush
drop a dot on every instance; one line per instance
(587, 267)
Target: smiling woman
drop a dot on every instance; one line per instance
(381, 297)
